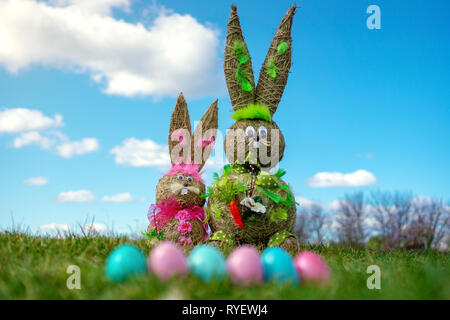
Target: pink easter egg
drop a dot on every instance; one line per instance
(167, 260)
(311, 267)
(244, 265)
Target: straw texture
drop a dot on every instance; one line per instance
(180, 120)
(270, 89)
(239, 97)
(206, 132)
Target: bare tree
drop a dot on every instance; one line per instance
(311, 222)
(317, 222)
(430, 223)
(350, 216)
(301, 230)
(392, 212)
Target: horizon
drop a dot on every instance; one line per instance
(87, 90)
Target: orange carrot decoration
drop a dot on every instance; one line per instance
(234, 209)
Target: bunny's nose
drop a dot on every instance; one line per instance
(185, 184)
(257, 138)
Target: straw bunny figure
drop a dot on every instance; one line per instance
(178, 214)
(247, 204)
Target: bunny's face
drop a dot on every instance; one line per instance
(261, 138)
(186, 189)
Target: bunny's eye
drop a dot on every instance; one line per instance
(262, 132)
(180, 177)
(250, 132)
(189, 179)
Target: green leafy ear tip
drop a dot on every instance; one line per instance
(253, 111)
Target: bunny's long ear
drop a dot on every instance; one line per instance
(238, 65)
(205, 135)
(275, 70)
(180, 133)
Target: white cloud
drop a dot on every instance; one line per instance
(371, 222)
(334, 224)
(21, 119)
(52, 227)
(338, 179)
(32, 137)
(335, 204)
(102, 7)
(215, 162)
(36, 181)
(307, 203)
(32, 128)
(420, 199)
(174, 52)
(118, 198)
(94, 227)
(142, 153)
(75, 148)
(147, 153)
(75, 196)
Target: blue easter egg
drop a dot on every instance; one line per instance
(278, 265)
(207, 262)
(123, 261)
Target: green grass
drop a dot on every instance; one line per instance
(35, 268)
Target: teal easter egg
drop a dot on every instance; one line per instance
(278, 265)
(207, 263)
(124, 261)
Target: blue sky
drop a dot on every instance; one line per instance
(356, 99)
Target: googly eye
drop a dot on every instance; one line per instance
(189, 179)
(180, 177)
(262, 132)
(250, 132)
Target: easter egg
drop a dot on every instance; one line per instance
(167, 260)
(244, 265)
(311, 267)
(124, 261)
(278, 265)
(207, 263)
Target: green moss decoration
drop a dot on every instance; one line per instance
(282, 47)
(271, 69)
(225, 190)
(253, 111)
(208, 215)
(278, 215)
(215, 208)
(242, 75)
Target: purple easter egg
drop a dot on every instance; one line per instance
(244, 265)
(167, 260)
(311, 267)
